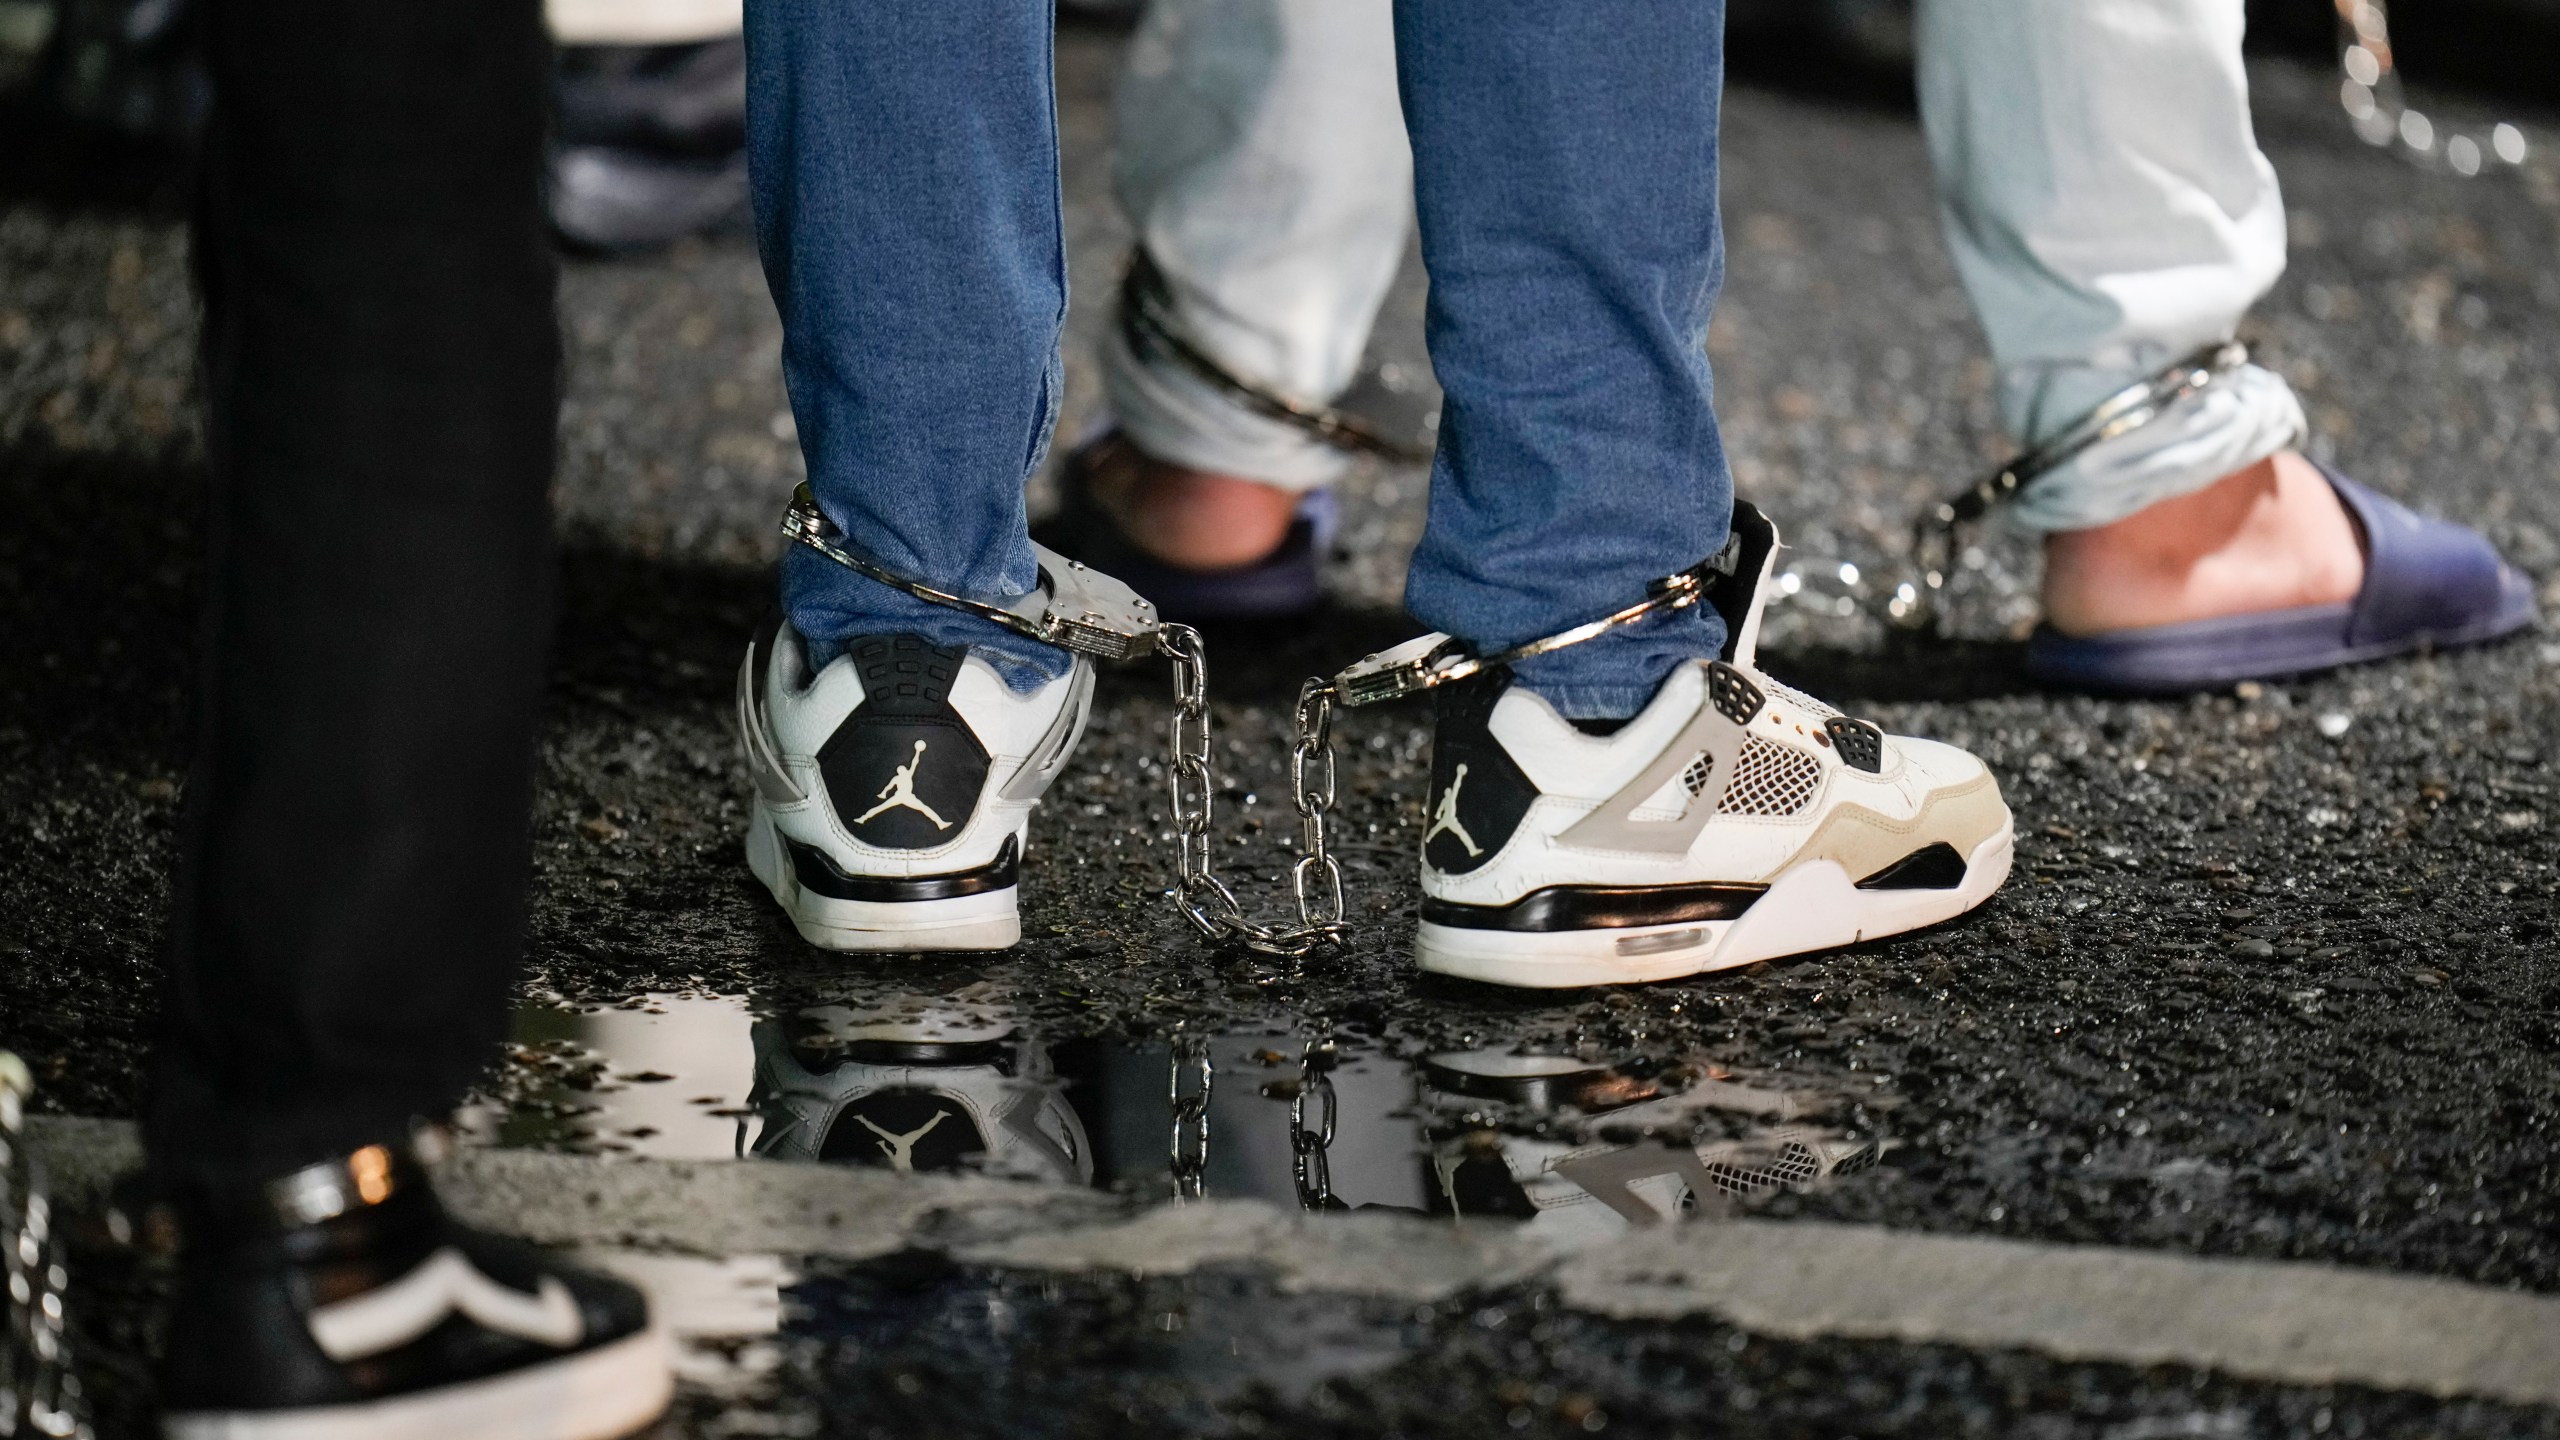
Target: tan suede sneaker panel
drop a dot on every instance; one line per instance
(1864, 842)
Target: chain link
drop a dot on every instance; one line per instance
(1311, 1145)
(1148, 327)
(1316, 878)
(1190, 1153)
(39, 1395)
(2369, 91)
(1092, 614)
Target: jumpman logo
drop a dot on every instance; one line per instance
(1448, 820)
(901, 1149)
(900, 794)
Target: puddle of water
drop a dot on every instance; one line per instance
(1571, 1148)
(952, 1083)
(660, 1075)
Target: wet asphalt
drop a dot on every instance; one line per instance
(2272, 978)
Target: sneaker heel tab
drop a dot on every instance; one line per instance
(1740, 596)
(777, 647)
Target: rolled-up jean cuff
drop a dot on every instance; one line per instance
(2237, 422)
(1178, 418)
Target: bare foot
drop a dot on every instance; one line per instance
(2265, 538)
(1195, 519)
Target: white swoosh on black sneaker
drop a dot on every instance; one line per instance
(390, 1316)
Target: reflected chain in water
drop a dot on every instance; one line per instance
(39, 1394)
(1311, 1144)
(1189, 1078)
(2369, 91)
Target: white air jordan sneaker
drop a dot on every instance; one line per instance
(894, 787)
(1733, 820)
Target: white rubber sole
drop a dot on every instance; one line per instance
(1812, 907)
(988, 921)
(602, 1394)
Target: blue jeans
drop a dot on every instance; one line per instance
(904, 158)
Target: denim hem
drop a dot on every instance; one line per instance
(828, 606)
(1596, 702)
(1024, 664)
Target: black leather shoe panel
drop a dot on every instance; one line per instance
(1931, 867)
(240, 1336)
(904, 771)
(819, 875)
(908, 1130)
(1491, 793)
(1597, 907)
(1731, 594)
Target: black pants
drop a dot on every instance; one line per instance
(381, 390)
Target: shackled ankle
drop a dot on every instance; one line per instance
(1194, 519)
(2271, 536)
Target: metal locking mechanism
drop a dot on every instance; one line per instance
(1076, 607)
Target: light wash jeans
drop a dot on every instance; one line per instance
(2097, 175)
(904, 160)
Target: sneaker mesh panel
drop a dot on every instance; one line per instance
(1791, 696)
(1786, 1159)
(1770, 779)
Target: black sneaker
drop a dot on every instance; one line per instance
(342, 1300)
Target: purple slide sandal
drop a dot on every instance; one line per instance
(2427, 583)
(1288, 581)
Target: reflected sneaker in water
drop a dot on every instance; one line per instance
(1549, 1166)
(1733, 820)
(936, 1089)
(894, 787)
(343, 1301)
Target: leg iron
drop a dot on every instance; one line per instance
(1090, 613)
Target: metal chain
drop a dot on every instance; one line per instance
(1148, 327)
(1915, 603)
(1316, 878)
(1190, 1152)
(1311, 1146)
(1089, 613)
(2369, 91)
(39, 1394)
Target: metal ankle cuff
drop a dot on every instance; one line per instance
(342, 1184)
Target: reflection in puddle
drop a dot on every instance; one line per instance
(658, 1075)
(1569, 1149)
(952, 1083)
